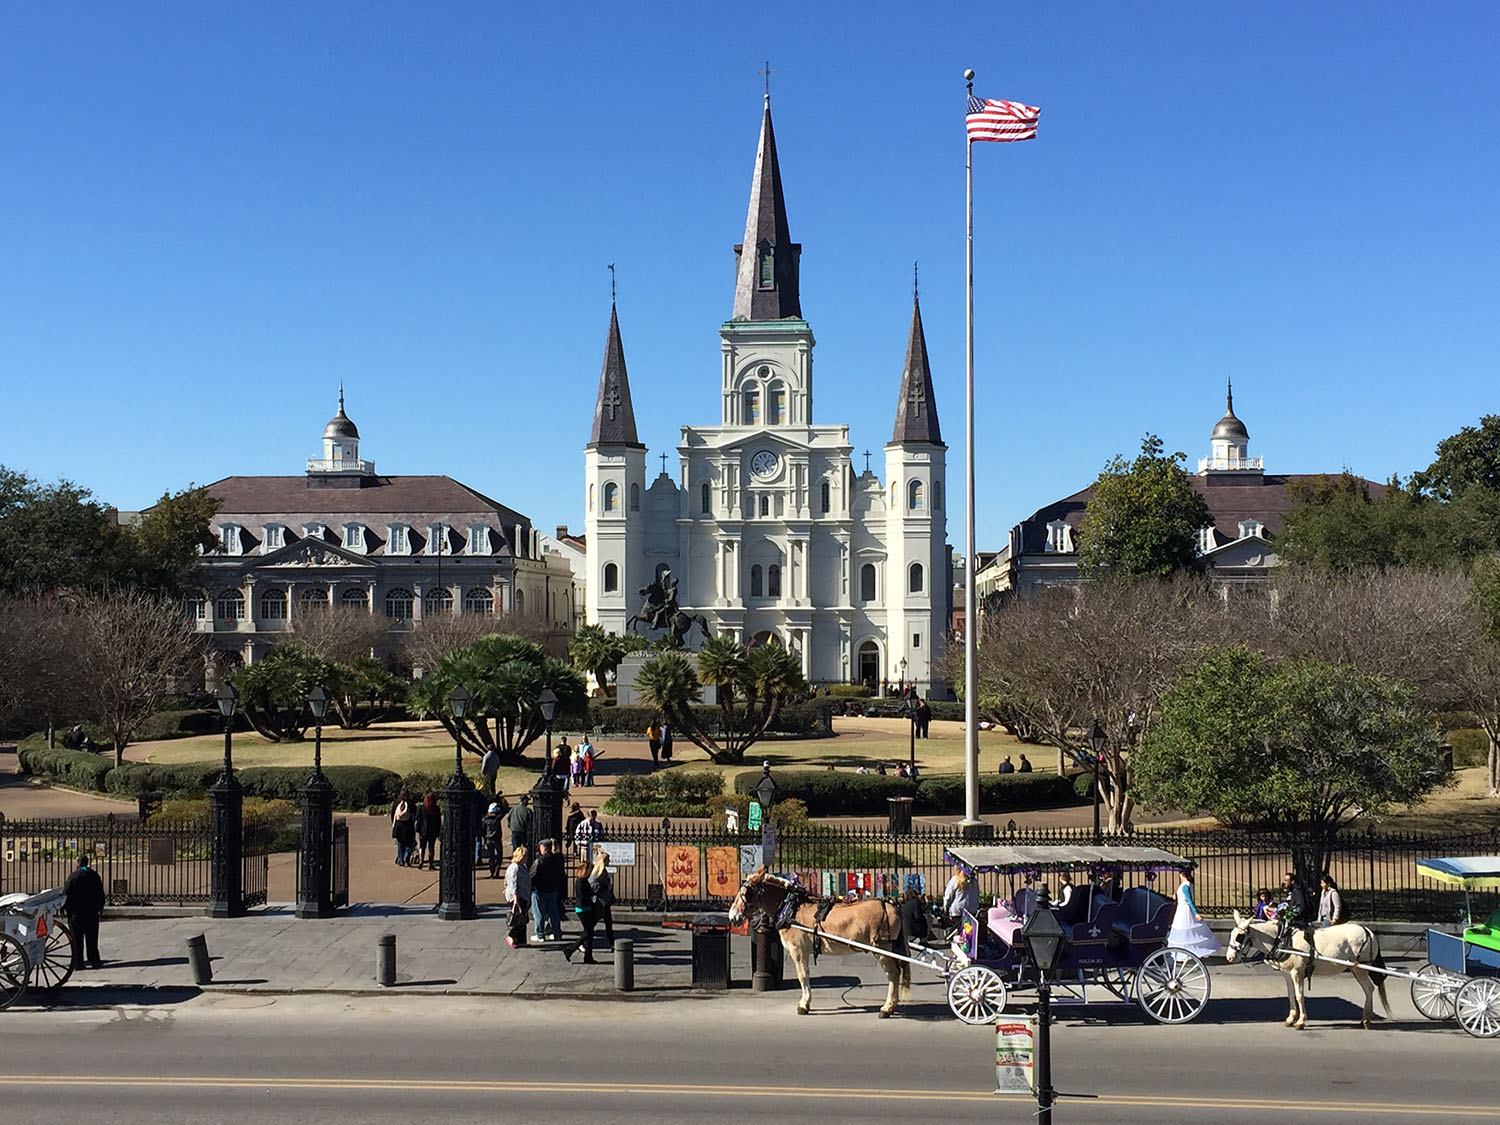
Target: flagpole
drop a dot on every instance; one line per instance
(971, 824)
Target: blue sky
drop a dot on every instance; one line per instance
(213, 214)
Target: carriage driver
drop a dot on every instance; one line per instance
(1293, 911)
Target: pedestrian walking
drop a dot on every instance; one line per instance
(492, 830)
(403, 828)
(519, 822)
(549, 878)
(666, 741)
(562, 765)
(83, 904)
(588, 918)
(570, 826)
(603, 885)
(588, 756)
(489, 765)
(924, 718)
(518, 894)
(429, 825)
(653, 741)
(588, 833)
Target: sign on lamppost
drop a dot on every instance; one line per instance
(1014, 1046)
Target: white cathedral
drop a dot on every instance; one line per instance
(768, 530)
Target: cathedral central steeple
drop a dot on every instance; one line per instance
(765, 286)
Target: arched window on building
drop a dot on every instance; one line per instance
(355, 599)
(916, 584)
(706, 499)
(273, 605)
(611, 578)
(635, 497)
(520, 601)
(479, 601)
(591, 498)
(757, 585)
(439, 599)
(611, 497)
(827, 497)
(229, 605)
(778, 405)
(765, 505)
(895, 494)
(773, 581)
(937, 496)
(867, 582)
(915, 500)
(194, 605)
(312, 598)
(398, 604)
(751, 407)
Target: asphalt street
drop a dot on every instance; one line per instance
(240, 1057)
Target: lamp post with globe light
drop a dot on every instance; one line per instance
(764, 976)
(547, 792)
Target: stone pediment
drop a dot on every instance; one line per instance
(1251, 551)
(308, 553)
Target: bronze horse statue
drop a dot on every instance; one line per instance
(661, 611)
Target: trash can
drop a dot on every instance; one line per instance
(710, 950)
(900, 815)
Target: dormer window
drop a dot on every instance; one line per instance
(398, 540)
(229, 539)
(1207, 540)
(354, 536)
(312, 531)
(1249, 528)
(273, 538)
(1059, 538)
(436, 533)
(479, 539)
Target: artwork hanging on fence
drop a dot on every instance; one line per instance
(750, 860)
(680, 880)
(722, 868)
(915, 881)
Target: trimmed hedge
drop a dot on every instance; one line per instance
(354, 787)
(78, 769)
(1471, 747)
(667, 793)
(867, 794)
(135, 779)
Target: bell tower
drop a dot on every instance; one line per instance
(615, 471)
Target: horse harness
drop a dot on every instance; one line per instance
(797, 897)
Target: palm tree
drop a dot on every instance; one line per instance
(595, 650)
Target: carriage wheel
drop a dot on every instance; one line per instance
(1172, 986)
(1478, 1007)
(14, 970)
(976, 994)
(56, 965)
(1432, 991)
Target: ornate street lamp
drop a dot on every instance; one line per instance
(1047, 940)
(314, 885)
(911, 713)
(456, 871)
(226, 800)
(547, 793)
(764, 976)
(1098, 740)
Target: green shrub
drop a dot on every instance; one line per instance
(135, 779)
(832, 793)
(420, 782)
(1456, 720)
(273, 824)
(848, 691)
(948, 710)
(810, 719)
(1471, 747)
(1083, 786)
(1015, 792)
(667, 793)
(354, 787)
(77, 769)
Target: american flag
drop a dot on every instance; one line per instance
(1001, 121)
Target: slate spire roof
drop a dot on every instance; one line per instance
(916, 409)
(765, 285)
(614, 417)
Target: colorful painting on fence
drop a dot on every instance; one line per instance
(915, 881)
(722, 868)
(749, 859)
(680, 879)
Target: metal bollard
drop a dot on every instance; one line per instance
(385, 960)
(624, 965)
(197, 947)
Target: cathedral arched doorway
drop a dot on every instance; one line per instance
(766, 637)
(869, 664)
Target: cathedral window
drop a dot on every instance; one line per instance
(1059, 538)
(591, 498)
(757, 585)
(767, 262)
(867, 582)
(398, 604)
(914, 497)
(438, 600)
(778, 405)
(353, 599)
(765, 505)
(273, 605)
(230, 605)
(520, 601)
(916, 640)
(611, 578)
(827, 497)
(635, 498)
(937, 496)
(313, 599)
(895, 494)
(773, 581)
(706, 499)
(611, 497)
(752, 408)
(916, 579)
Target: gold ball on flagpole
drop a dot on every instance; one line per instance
(968, 76)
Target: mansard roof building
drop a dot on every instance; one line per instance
(769, 531)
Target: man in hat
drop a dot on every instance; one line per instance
(83, 905)
(519, 823)
(492, 827)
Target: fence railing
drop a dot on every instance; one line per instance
(694, 866)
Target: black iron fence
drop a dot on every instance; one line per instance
(695, 867)
(140, 863)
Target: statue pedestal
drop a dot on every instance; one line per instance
(625, 693)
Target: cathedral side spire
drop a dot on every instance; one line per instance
(614, 416)
(916, 410)
(765, 285)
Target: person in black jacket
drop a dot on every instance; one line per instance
(83, 905)
(549, 878)
(588, 916)
(915, 917)
(429, 825)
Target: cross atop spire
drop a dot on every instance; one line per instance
(614, 417)
(765, 286)
(766, 74)
(611, 283)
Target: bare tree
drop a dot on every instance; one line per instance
(340, 634)
(438, 634)
(40, 647)
(1106, 650)
(137, 647)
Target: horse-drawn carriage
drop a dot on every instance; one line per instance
(1117, 950)
(34, 946)
(1462, 976)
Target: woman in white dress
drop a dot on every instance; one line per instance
(1189, 931)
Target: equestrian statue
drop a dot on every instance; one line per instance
(661, 611)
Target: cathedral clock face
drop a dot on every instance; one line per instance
(765, 464)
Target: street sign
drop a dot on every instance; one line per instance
(1013, 1051)
(620, 854)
